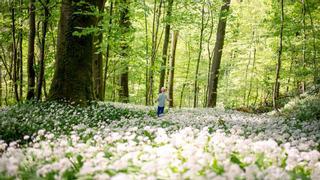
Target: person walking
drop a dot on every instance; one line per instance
(162, 97)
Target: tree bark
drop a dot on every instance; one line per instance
(20, 53)
(42, 48)
(125, 28)
(196, 88)
(276, 87)
(165, 44)
(172, 66)
(214, 76)
(32, 33)
(72, 79)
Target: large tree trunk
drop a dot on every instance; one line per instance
(42, 48)
(276, 87)
(32, 32)
(196, 88)
(165, 45)
(172, 66)
(125, 28)
(214, 76)
(72, 79)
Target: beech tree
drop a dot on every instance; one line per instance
(172, 65)
(124, 24)
(214, 74)
(72, 78)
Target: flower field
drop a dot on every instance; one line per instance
(126, 142)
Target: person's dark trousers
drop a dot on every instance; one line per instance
(160, 110)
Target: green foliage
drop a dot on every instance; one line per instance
(304, 108)
(218, 169)
(234, 157)
(28, 118)
(300, 172)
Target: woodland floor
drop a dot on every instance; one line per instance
(127, 142)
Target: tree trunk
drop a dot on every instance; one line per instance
(32, 33)
(44, 88)
(276, 87)
(0, 86)
(172, 66)
(304, 45)
(19, 64)
(72, 79)
(14, 51)
(107, 51)
(196, 88)
(147, 53)
(187, 75)
(125, 28)
(253, 73)
(165, 45)
(209, 57)
(42, 49)
(97, 68)
(6, 88)
(20, 60)
(155, 30)
(214, 76)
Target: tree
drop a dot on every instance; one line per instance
(172, 65)
(124, 24)
(214, 76)
(187, 74)
(14, 51)
(276, 86)
(72, 80)
(45, 6)
(154, 49)
(97, 67)
(107, 50)
(1, 85)
(196, 88)
(165, 44)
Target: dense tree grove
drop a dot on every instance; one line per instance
(237, 53)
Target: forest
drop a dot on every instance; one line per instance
(81, 80)
(270, 52)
